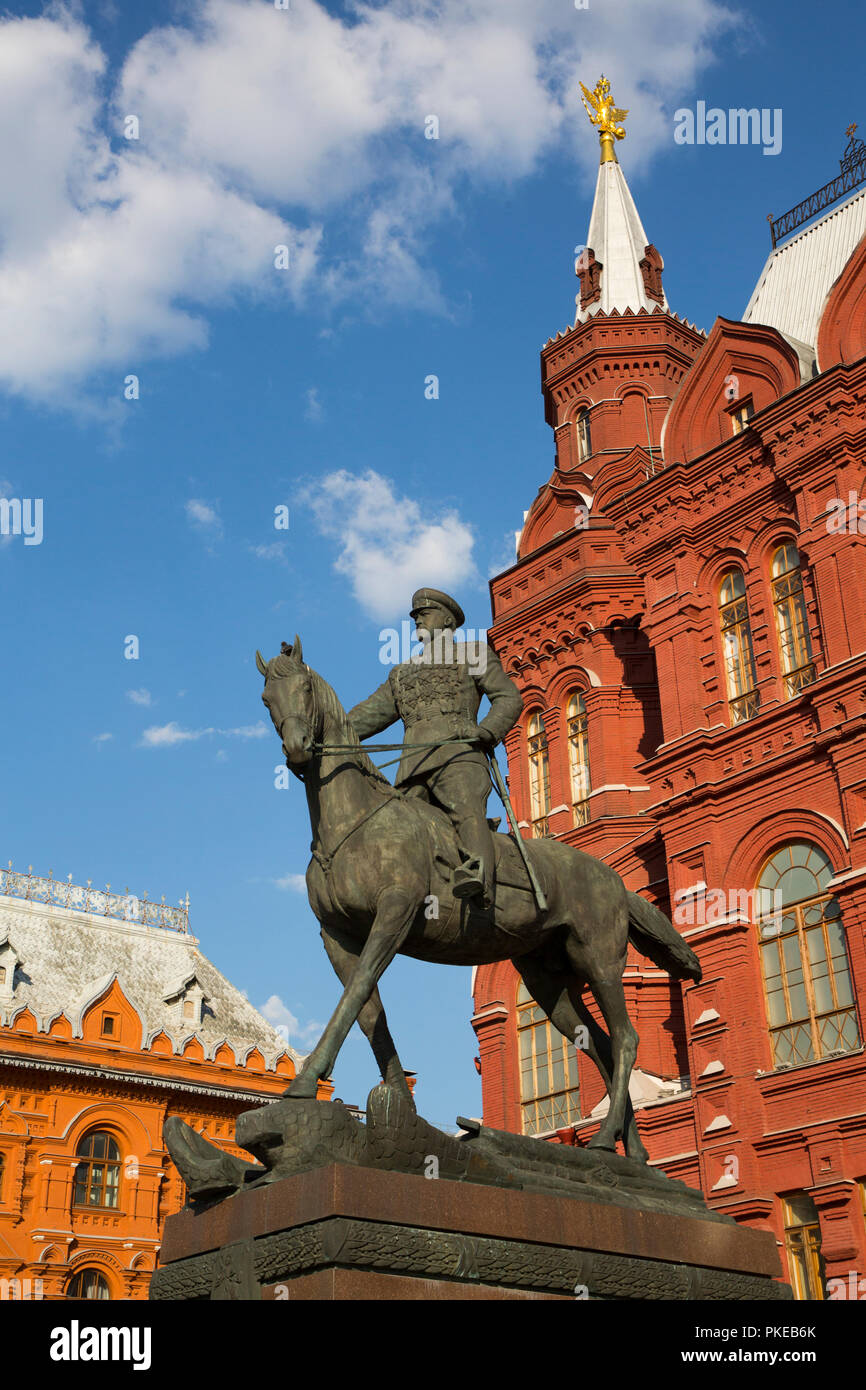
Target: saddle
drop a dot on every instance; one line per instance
(446, 857)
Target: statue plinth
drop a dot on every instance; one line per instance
(483, 1216)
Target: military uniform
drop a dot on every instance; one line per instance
(437, 695)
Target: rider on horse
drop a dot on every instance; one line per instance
(437, 694)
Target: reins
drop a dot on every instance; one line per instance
(325, 861)
(322, 748)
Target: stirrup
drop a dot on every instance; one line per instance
(467, 880)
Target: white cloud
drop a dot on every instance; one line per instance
(503, 556)
(140, 697)
(287, 1024)
(102, 738)
(168, 735)
(295, 883)
(388, 544)
(313, 408)
(263, 127)
(203, 516)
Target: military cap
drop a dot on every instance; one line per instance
(430, 598)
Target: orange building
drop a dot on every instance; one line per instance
(111, 1019)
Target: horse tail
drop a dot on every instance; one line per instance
(656, 937)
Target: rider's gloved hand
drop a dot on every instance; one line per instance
(486, 738)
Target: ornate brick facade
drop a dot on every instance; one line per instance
(107, 1026)
(690, 573)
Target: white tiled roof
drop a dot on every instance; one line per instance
(798, 275)
(617, 237)
(68, 958)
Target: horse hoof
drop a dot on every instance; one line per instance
(301, 1093)
(605, 1145)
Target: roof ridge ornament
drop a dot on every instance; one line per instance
(605, 116)
(852, 173)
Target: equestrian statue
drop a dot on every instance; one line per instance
(415, 869)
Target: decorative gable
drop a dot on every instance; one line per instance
(558, 511)
(651, 268)
(842, 329)
(588, 271)
(743, 368)
(186, 1000)
(108, 1016)
(10, 961)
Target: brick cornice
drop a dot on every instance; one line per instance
(130, 1078)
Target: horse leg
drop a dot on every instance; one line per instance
(610, 996)
(599, 1049)
(395, 912)
(343, 951)
(558, 994)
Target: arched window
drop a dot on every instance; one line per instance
(584, 436)
(792, 624)
(549, 1094)
(578, 758)
(803, 1246)
(97, 1174)
(740, 675)
(88, 1283)
(539, 775)
(810, 1003)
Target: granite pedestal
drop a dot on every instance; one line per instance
(340, 1231)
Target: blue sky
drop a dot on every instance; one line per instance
(306, 387)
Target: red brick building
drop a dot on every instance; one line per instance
(686, 620)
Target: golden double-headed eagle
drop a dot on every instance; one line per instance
(603, 114)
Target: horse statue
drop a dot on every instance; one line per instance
(379, 882)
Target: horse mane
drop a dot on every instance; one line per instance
(329, 702)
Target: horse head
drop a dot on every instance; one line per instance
(290, 699)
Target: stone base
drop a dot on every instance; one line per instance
(347, 1232)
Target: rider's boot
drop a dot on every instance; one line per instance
(469, 880)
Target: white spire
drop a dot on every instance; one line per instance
(619, 244)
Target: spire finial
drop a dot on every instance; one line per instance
(603, 114)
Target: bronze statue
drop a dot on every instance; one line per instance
(380, 882)
(437, 694)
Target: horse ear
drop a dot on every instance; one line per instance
(261, 663)
(297, 651)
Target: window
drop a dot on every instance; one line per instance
(584, 436)
(792, 624)
(539, 776)
(810, 1004)
(2, 974)
(548, 1070)
(741, 415)
(97, 1175)
(88, 1283)
(803, 1246)
(109, 1025)
(2, 1175)
(189, 1008)
(740, 675)
(578, 758)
